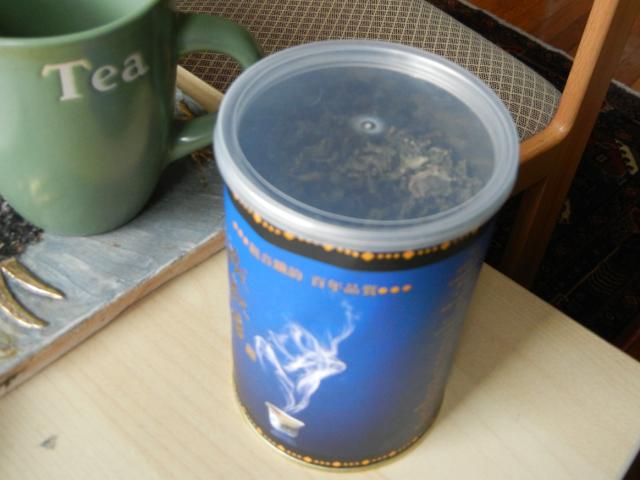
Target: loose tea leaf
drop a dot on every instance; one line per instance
(417, 177)
(368, 144)
(15, 232)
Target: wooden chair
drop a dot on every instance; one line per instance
(548, 158)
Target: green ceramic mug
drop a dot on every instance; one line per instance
(87, 102)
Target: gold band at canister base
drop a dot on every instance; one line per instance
(333, 464)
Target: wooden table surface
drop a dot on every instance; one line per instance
(532, 396)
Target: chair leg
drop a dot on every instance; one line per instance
(541, 205)
(529, 237)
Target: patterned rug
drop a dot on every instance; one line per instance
(590, 269)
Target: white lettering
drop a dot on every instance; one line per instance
(101, 78)
(134, 67)
(67, 80)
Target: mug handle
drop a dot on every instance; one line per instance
(197, 32)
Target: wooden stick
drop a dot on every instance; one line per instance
(203, 93)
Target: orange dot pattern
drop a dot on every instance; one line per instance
(335, 464)
(251, 353)
(366, 256)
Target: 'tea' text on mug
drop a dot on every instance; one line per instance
(103, 78)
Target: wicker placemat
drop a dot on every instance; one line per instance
(530, 98)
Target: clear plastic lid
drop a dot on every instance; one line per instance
(367, 145)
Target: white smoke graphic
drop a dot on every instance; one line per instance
(300, 362)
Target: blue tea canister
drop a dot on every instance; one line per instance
(361, 180)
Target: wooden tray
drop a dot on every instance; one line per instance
(63, 289)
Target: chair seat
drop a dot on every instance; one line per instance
(279, 24)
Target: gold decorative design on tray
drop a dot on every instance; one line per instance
(13, 269)
(28, 280)
(7, 346)
(328, 463)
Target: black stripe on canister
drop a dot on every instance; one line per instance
(352, 259)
